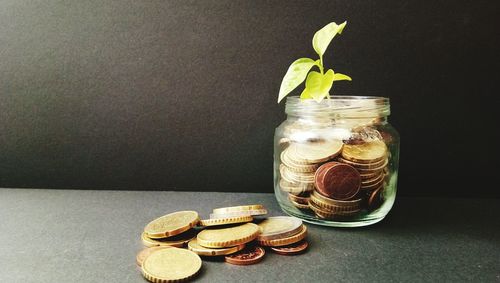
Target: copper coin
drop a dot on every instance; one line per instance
(300, 205)
(340, 181)
(299, 199)
(250, 255)
(375, 198)
(292, 249)
(321, 172)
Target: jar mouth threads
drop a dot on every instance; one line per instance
(340, 106)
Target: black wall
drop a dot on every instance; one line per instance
(182, 94)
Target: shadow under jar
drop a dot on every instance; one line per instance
(336, 161)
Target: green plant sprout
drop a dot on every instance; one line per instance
(318, 84)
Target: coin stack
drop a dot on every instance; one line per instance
(299, 162)
(333, 178)
(229, 233)
(337, 185)
(284, 235)
(371, 161)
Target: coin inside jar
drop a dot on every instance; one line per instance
(299, 199)
(315, 152)
(337, 180)
(295, 188)
(357, 165)
(294, 166)
(374, 199)
(368, 152)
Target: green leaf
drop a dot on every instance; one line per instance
(305, 94)
(324, 36)
(318, 85)
(295, 75)
(341, 77)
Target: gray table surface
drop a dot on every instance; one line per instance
(93, 236)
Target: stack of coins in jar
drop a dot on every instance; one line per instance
(336, 162)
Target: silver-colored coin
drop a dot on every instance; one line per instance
(255, 212)
(278, 227)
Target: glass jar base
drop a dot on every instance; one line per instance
(330, 223)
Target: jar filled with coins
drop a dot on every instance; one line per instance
(336, 161)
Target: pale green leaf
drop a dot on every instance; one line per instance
(295, 75)
(341, 77)
(305, 94)
(318, 85)
(324, 36)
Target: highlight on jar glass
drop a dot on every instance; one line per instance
(336, 157)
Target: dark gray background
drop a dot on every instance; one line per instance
(182, 94)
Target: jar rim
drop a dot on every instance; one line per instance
(341, 97)
(346, 106)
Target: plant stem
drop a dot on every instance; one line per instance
(321, 64)
(321, 68)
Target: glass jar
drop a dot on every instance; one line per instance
(336, 161)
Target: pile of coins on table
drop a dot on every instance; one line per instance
(176, 241)
(334, 179)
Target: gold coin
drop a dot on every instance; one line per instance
(358, 165)
(285, 176)
(376, 185)
(297, 188)
(222, 210)
(175, 241)
(279, 227)
(322, 213)
(315, 152)
(171, 265)
(200, 250)
(333, 202)
(228, 237)
(225, 221)
(296, 177)
(372, 181)
(296, 167)
(327, 207)
(171, 224)
(285, 241)
(142, 255)
(373, 170)
(368, 152)
(366, 176)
